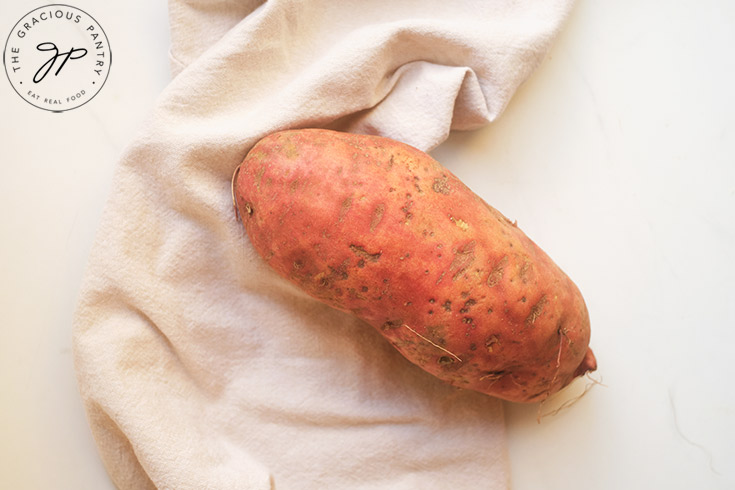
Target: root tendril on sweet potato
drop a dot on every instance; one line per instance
(569, 402)
(232, 188)
(432, 343)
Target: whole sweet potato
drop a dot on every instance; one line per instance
(377, 228)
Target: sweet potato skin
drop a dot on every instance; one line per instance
(379, 229)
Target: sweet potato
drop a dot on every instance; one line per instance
(377, 228)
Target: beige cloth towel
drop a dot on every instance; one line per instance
(199, 367)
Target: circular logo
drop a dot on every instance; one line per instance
(57, 57)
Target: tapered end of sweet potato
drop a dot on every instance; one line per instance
(589, 363)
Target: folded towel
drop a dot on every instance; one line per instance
(198, 366)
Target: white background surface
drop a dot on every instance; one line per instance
(617, 157)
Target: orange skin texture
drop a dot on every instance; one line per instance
(379, 229)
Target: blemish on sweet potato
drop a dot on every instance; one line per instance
(441, 276)
(323, 280)
(536, 311)
(391, 324)
(377, 216)
(496, 273)
(340, 272)
(491, 343)
(441, 185)
(461, 224)
(467, 305)
(524, 270)
(346, 205)
(259, 176)
(463, 258)
(364, 254)
(407, 210)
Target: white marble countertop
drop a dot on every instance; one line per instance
(617, 157)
